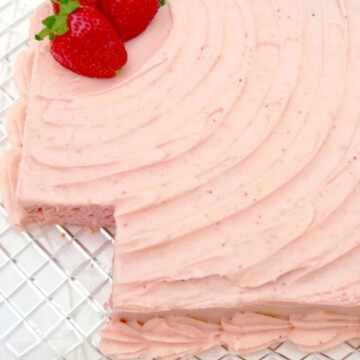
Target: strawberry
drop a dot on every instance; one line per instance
(84, 41)
(131, 17)
(93, 3)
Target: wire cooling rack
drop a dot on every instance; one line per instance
(55, 281)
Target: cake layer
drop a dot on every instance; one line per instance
(242, 333)
(90, 215)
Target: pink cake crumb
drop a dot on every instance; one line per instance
(90, 216)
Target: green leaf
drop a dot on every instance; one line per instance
(43, 34)
(58, 24)
(61, 27)
(67, 7)
(162, 3)
(50, 21)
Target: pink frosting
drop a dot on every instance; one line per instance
(230, 150)
(258, 199)
(242, 333)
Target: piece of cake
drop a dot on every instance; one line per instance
(227, 152)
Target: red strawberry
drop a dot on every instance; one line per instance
(93, 3)
(84, 41)
(131, 17)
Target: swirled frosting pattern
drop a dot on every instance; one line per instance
(256, 197)
(229, 149)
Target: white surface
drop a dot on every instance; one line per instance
(54, 281)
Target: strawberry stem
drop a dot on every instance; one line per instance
(162, 3)
(57, 25)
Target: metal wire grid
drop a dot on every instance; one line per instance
(55, 281)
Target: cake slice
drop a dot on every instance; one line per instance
(227, 153)
(83, 140)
